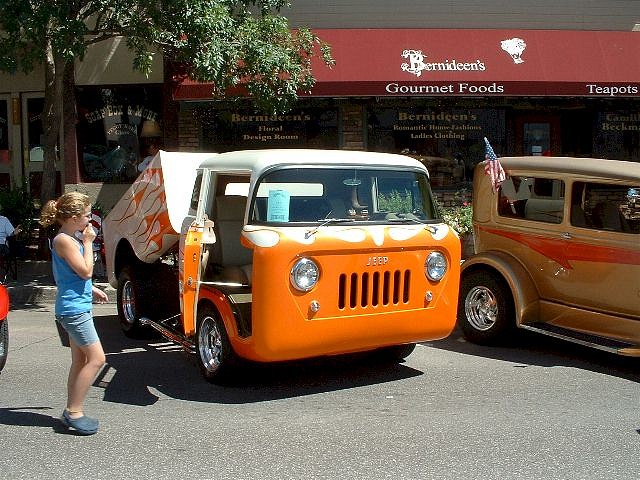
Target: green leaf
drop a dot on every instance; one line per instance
(231, 43)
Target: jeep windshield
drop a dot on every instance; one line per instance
(314, 195)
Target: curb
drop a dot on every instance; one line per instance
(20, 295)
(35, 285)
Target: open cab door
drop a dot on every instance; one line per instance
(194, 258)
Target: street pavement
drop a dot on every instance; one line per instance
(535, 409)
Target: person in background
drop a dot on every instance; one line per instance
(72, 261)
(458, 168)
(6, 230)
(152, 149)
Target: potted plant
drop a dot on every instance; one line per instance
(17, 205)
(460, 218)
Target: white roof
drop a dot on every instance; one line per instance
(180, 168)
(256, 161)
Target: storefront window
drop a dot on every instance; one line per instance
(35, 106)
(236, 129)
(33, 143)
(4, 132)
(116, 128)
(537, 139)
(617, 135)
(5, 179)
(448, 140)
(4, 125)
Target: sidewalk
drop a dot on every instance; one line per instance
(35, 284)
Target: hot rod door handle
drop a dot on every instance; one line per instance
(566, 236)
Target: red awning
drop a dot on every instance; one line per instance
(393, 62)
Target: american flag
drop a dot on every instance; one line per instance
(492, 166)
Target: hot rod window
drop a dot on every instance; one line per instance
(195, 195)
(603, 206)
(530, 198)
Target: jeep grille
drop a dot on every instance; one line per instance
(373, 289)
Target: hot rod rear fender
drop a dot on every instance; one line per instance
(523, 289)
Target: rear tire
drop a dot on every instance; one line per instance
(216, 357)
(161, 283)
(129, 300)
(4, 342)
(486, 314)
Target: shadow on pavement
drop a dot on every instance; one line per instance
(137, 367)
(27, 417)
(531, 349)
(17, 416)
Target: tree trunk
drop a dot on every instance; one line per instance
(51, 121)
(69, 120)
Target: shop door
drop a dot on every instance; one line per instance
(538, 135)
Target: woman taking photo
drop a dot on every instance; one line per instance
(72, 260)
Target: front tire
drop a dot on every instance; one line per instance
(485, 308)
(216, 357)
(4, 342)
(129, 298)
(394, 353)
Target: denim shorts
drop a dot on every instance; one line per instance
(80, 328)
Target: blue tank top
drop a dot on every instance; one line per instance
(74, 294)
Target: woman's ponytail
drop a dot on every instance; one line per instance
(48, 213)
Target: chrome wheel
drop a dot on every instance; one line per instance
(486, 313)
(216, 358)
(130, 294)
(210, 344)
(128, 303)
(481, 308)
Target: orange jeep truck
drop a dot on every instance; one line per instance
(283, 254)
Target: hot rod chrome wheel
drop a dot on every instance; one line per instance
(481, 308)
(485, 307)
(215, 355)
(129, 303)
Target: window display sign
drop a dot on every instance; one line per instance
(617, 135)
(225, 130)
(110, 130)
(451, 139)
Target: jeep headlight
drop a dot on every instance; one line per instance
(304, 275)
(436, 266)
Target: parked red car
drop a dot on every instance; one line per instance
(4, 326)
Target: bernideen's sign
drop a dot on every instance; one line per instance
(446, 88)
(513, 88)
(417, 65)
